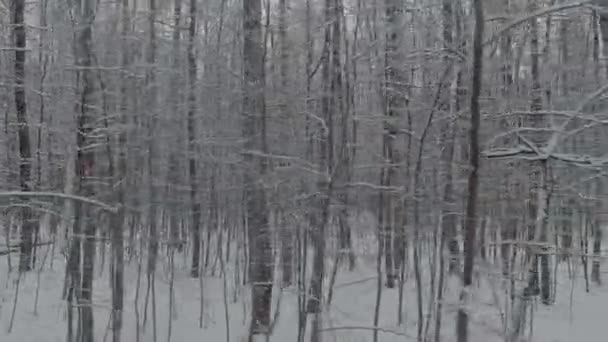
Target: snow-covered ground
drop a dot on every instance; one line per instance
(576, 315)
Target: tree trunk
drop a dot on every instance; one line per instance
(324, 184)
(394, 93)
(85, 164)
(150, 139)
(25, 153)
(118, 220)
(449, 211)
(462, 324)
(286, 231)
(173, 173)
(192, 150)
(254, 133)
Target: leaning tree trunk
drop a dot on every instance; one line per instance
(462, 323)
(25, 153)
(254, 133)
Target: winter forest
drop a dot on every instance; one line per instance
(303, 170)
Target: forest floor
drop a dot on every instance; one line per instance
(575, 316)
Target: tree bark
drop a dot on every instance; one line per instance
(85, 165)
(254, 131)
(192, 150)
(395, 103)
(324, 183)
(25, 154)
(286, 230)
(462, 324)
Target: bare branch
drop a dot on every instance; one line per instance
(60, 195)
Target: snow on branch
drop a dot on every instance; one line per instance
(60, 195)
(524, 19)
(525, 152)
(529, 151)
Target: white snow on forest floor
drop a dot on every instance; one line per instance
(575, 316)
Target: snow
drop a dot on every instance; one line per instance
(576, 315)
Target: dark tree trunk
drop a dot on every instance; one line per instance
(192, 150)
(25, 154)
(462, 324)
(324, 184)
(85, 165)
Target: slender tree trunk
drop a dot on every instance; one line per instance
(395, 103)
(118, 220)
(286, 231)
(462, 324)
(173, 172)
(85, 163)
(192, 137)
(324, 184)
(25, 154)
(151, 95)
(254, 132)
(598, 232)
(449, 211)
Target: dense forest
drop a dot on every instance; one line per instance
(303, 170)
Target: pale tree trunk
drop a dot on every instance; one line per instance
(519, 312)
(25, 153)
(462, 324)
(254, 133)
(192, 150)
